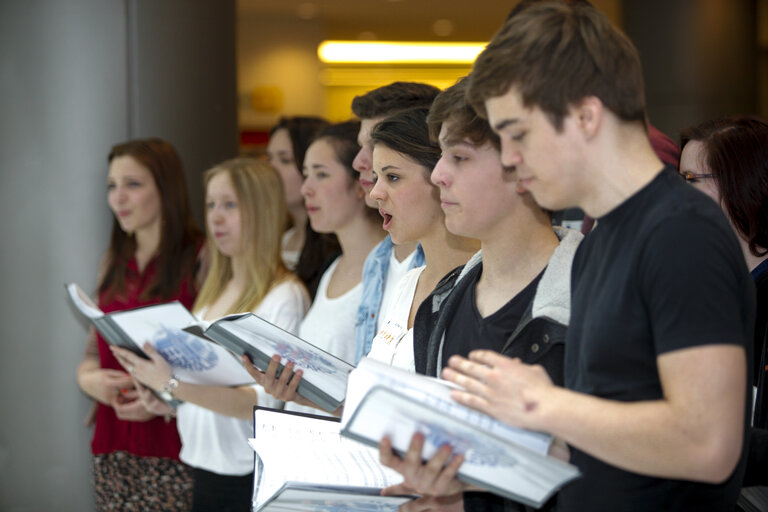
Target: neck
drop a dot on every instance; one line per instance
(239, 269)
(625, 164)
(520, 248)
(359, 236)
(147, 243)
(402, 251)
(445, 251)
(298, 214)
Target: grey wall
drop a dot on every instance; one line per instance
(76, 77)
(699, 58)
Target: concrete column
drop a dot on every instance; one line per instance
(75, 78)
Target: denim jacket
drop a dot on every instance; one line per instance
(374, 279)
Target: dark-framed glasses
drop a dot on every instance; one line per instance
(694, 177)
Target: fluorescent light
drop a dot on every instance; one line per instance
(402, 52)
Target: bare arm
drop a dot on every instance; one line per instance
(103, 385)
(695, 432)
(155, 373)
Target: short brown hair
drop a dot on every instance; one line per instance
(556, 53)
(451, 105)
(393, 98)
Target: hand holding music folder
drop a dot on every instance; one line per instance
(509, 461)
(303, 464)
(324, 379)
(193, 360)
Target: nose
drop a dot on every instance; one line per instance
(362, 161)
(306, 188)
(440, 174)
(510, 157)
(377, 193)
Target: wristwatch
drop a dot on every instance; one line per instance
(170, 386)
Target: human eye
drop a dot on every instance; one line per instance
(286, 160)
(392, 178)
(375, 176)
(134, 183)
(321, 175)
(209, 205)
(517, 137)
(229, 205)
(111, 185)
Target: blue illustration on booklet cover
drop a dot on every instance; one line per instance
(183, 350)
(304, 359)
(474, 449)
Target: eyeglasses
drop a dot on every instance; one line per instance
(694, 177)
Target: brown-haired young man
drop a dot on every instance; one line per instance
(655, 404)
(387, 262)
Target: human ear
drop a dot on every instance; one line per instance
(588, 113)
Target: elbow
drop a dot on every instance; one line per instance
(718, 459)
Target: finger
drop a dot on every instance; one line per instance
(472, 401)
(269, 375)
(472, 385)
(397, 490)
(490, 358)
(387, 456)
(152, 352)
(286, 374)
(430, 471)
(446, 480)
(130, 395)
(293, 386)
(468, 367)
(412, 463)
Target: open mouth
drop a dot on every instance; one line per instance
(387, 219)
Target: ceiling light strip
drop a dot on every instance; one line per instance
(398, 52)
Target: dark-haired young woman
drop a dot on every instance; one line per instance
(305, 251)
(153, 257)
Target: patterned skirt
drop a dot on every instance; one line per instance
(127, 482)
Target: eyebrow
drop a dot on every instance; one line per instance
(450, 142)
(389, 167)
(504, 123)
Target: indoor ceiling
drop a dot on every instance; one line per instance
(425, 20)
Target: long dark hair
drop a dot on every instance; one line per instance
(318, 247)
(736, 153)
(180, 239)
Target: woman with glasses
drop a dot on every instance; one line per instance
(727, 159)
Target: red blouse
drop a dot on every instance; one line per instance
(156, 437)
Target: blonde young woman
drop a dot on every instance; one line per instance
(245, 213)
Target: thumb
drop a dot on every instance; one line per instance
(150, 350)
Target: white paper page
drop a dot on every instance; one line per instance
(435, 393)
(193, 359)
(83, 302)
(317, 365)
(487, 457)
(303, 449)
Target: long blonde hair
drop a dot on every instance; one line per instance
(260, 197)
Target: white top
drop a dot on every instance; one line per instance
(396, 271)
(290, 258)
(218, 443)
(330, 325)
(393, 344)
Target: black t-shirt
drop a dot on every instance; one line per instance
(468, 330)
(661, 272)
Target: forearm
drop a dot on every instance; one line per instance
(235, 402)
(649, 437)
(88, 379)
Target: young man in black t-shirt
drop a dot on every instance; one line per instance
(655, 404)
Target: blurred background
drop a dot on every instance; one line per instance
(211, 76)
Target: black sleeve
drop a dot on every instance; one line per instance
(695, 285)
